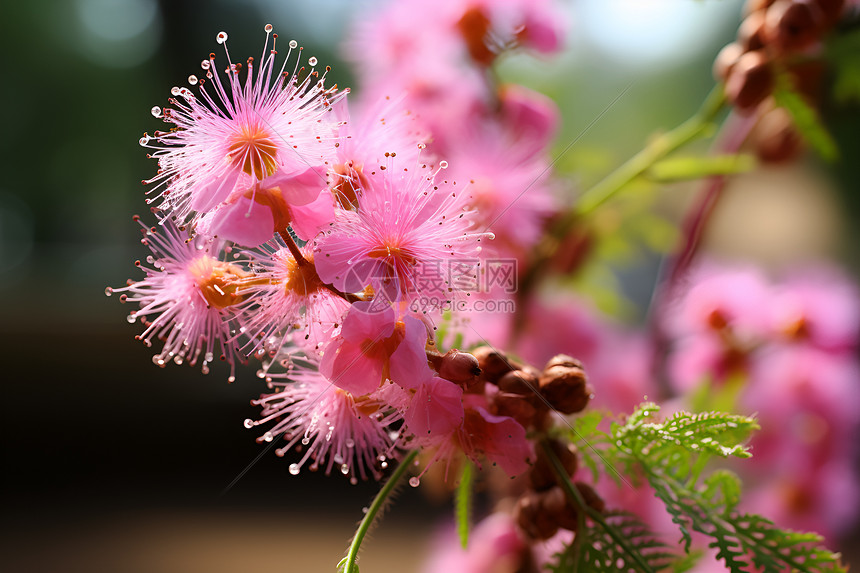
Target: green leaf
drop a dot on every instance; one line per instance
(805, 118)
(600, 553)
(687, 168)
(463, 504)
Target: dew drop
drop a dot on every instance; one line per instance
(293, 44)
(306, 441)
(130, 318)
(221, 37)
(108, 291)
(268, 436)
(294, 469)
(208, 357)
(204, 64)
(268, 28)
(338, 459)
(414, 481)
(344, 469)
(174, 90)
(443, 164)
(231, 379)
(383, 465)
(249, 423)
(156, 111)
(192, 79)
(349, 443)
(313, 61)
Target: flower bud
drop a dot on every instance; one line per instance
(542, 475)
(532, 517)
(523, 382)
(726, 60)
(493, 364)
(565, 388)
(751, 32)
(791, 25)
(516, 406)
(592, 498)
(556, 503)
(750, 81)
(775, 138)
(459, 367)
(831, 10)
(563, 360)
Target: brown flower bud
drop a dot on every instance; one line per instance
(556, 503)
(751, 32)
(516, 406)
(542, 475)
(831, 10)
(591, 497)
(474, 26)
(531, 517)
(774, 138)
(565, 388)
(494, 364)
(522, 382)
(750, 81)
(726, 60)
(458, 367)
(791, 25)
(563, 360)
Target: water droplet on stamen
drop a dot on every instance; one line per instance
(249, 423)
(108, 291)
(414, 481)
(192, 79)
(268, 436)
(204, 64)
(156, 111)
(443, 164)
(344, 469)
(174, 90)
(221, 37)
(313, 61)
(294, 469)
(131, 318)
(293, 44)
(338, 459)
(268, 28)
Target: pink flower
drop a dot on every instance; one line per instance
(817, 306)
(284, 296)
(192, 296)
(402, 240)
(495, 545)
(240, 136)
(333, 428)
(374, 345)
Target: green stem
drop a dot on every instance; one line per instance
(659, 148)
(348, 564)
(593, 514)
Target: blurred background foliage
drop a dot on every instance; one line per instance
(115, 465)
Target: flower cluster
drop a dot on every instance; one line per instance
(321, 240)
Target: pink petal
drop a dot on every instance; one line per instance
(299, 188)
(436, 410)
(348, 368)
(309, 219)
(364, 322)
(217, 191)
(409, 367)
(242, 222)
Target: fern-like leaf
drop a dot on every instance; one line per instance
(594, 550)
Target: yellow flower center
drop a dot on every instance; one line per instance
(254, 151)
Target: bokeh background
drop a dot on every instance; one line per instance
(112, 464)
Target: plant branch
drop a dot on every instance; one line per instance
(348, 565)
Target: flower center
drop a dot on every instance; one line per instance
(217, 281)
(254, 152)
(302, 279)
(392, 250)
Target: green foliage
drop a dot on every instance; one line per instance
(671, 455)
(594, 550)
(805, 118)
(463, 504)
